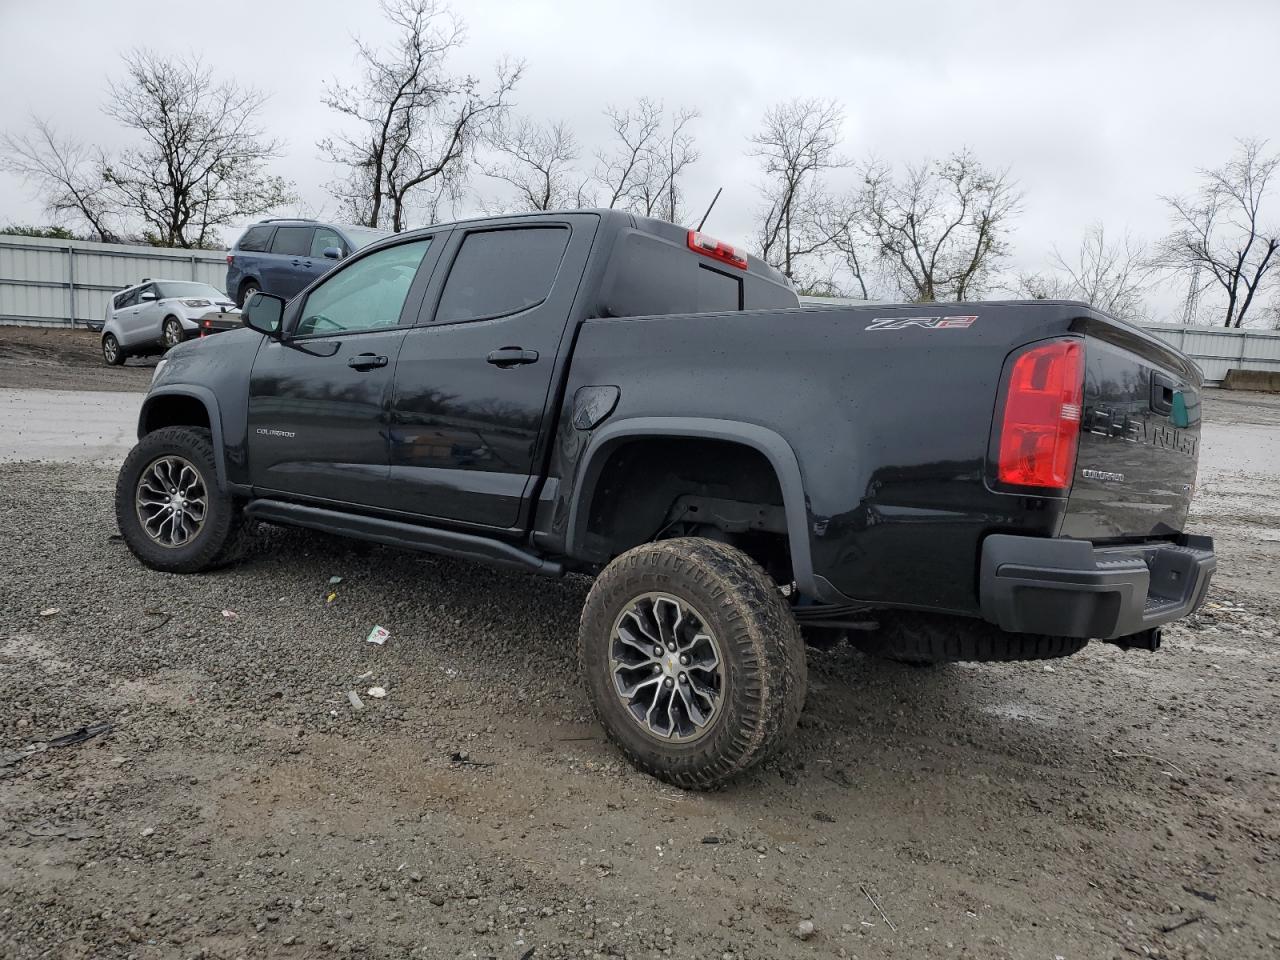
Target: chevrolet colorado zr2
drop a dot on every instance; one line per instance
(599, 393)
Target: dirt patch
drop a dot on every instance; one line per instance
(63, 359)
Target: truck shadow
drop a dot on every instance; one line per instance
(865, 721)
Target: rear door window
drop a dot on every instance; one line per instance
(500, 272)
(255, 239)
(292, 241)
(323, 240)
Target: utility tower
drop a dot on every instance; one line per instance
(1193, 297)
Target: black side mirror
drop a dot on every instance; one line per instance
(263, 312)
(333, 253)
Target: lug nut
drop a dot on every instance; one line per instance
(684, 659)
(667, 682)
(671, 647)
(657, 651)
(684, 678)
(656, 668)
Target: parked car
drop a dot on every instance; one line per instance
(616, 396)
(155, 315)
(283, 256)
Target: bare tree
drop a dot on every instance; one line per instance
(1220, 231)
(640, 169)
(202, 163)
(1042, 286)
(1111, 275)
(852, 247)
(539, 165)
(941, 231)
(659, 193)
(621, 166)
(67, 176)
(797, 142)
(416, 125)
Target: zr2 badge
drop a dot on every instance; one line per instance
(927, 323)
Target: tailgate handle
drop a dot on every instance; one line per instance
(1162, 390)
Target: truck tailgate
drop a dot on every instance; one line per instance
(1139, 439)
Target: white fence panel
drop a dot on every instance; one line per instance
(1218, 350)
(64, 282)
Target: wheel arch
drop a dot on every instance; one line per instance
(249, 278)
(776, 451)
(185, 405)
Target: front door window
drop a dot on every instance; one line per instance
(367, 295)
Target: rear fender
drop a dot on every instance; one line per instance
(774, 448)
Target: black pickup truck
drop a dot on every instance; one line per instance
(600, 393)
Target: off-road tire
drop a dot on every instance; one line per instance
(924, 639)
(225, 532)
(112, 357)
(764, 662)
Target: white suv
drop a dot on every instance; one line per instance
(156, 315)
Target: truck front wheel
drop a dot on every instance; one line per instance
(692, 660)
(171, 513)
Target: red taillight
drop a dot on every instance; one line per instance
(1040, 428)
(229, 259)
(713, 248)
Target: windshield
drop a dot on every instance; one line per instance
(363, 236)
(188, 289)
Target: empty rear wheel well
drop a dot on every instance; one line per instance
(656, 488)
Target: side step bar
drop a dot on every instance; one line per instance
(407, 536)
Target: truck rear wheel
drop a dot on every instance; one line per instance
(692, 660)
(926, 639)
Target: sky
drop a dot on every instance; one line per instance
(1096, 108)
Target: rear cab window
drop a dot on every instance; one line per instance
(255, 239)
(292, 241)
(718, 291)
(500, 272)
(653, 273)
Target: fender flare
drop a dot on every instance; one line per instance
(206, 398)
(775, 449)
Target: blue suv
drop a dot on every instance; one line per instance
(283, 256)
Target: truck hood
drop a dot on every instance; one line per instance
(208, 361)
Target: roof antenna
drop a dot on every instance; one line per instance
(708, 213)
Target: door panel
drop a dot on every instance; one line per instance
(316, 423)
(465, 431)
(283, 272)
(318, 400)
(142, 317)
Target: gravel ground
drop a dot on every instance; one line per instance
(1108, 805)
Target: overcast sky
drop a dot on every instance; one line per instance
(1097, 107)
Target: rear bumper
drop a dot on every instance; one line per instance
(1071, 588)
